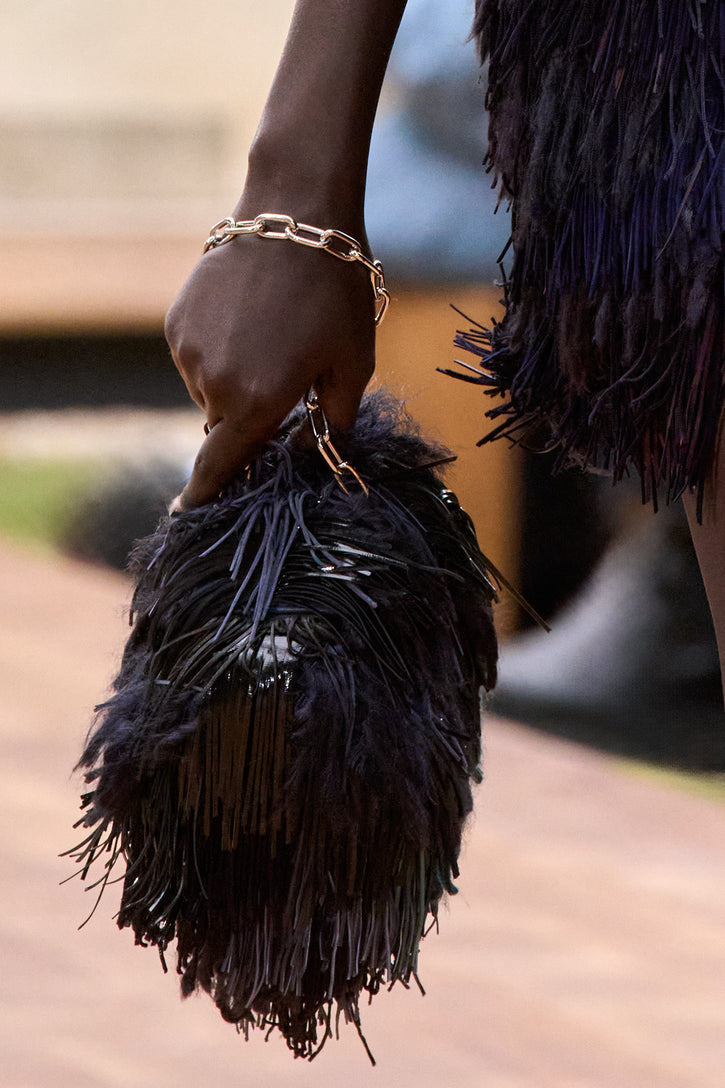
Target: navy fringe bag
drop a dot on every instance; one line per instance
(285, 765)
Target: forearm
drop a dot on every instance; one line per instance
(259, 323)
(309, 157)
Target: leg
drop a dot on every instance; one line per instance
(709, 541)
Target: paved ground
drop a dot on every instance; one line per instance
(586, 949)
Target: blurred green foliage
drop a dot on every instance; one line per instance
(37, 497)
(711, 786)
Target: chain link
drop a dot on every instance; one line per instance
(321, 431)
(336, 242)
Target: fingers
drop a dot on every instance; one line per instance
(226, 451)
(233, 440)
(231, 444)
(340, 394)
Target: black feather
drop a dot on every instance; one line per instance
(286, 762)
(607, 134)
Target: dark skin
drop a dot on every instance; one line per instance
(260, 321)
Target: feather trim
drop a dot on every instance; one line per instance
(607, 134)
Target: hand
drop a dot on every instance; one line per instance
(258, 323)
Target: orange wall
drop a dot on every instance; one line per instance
(416, 337)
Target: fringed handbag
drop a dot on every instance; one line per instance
(286, 764)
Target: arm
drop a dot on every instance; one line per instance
(259, 321)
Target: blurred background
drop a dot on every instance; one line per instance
(124, 133)
(587, 945)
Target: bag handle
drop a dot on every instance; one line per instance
(321, 432)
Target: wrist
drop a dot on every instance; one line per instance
(306, 181)
(284, 228)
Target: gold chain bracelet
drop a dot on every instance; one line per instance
(336, 242)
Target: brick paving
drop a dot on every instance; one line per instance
(586, 948)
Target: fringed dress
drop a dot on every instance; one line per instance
(607, 135)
